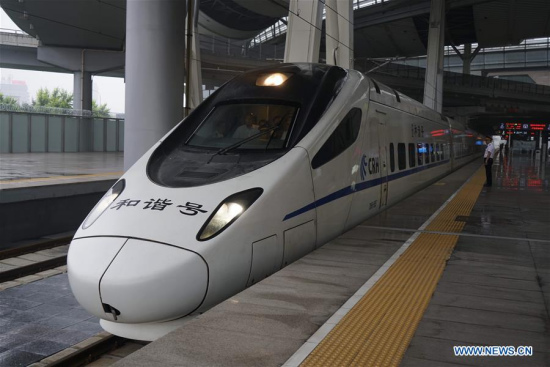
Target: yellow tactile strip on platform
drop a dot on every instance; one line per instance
(379, 328)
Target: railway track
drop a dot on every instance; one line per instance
(33, 258)
(101, 350)
(41, 259)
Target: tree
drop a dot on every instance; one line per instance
(8, 100)
(100, 110)
(59, 98)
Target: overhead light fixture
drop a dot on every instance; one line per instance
(272, 79)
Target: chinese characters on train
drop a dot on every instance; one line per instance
(417, 131)
(160, 204)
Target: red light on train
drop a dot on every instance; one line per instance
(437, 132)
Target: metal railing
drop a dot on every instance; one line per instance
(531, 53)
(44, 110)
(15, 31)
(14, 37)
(457, 79)
(56, 111)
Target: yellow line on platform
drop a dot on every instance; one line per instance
(119, 173)
(379, 328)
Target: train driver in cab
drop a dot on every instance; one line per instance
(247, 129)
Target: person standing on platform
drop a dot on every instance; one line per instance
(488, 159)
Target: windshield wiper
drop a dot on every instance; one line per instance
(241, 142)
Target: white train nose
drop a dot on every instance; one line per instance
(146, 282)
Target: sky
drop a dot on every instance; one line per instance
(105, 89)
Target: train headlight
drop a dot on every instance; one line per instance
(228, 212)
(272, 80)
(104, 203)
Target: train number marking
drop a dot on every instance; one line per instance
(373, 204)
(372, 165)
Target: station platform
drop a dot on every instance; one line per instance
(44, 169)
(54, 191)
(457, 264)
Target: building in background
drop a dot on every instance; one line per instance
(15, 88)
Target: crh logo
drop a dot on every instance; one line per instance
(370, 165)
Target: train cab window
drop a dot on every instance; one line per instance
(412, 155)
(231, 124)
(392, 158)
(401, 156)
(420, 150)
(342, 138)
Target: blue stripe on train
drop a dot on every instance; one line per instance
(359, 187)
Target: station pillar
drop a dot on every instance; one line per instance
(467, 59)
(193, 72)
(155, 48)
(303, 36)
(339, 33)
(82, 90)
(433, 82)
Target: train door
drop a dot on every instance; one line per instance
(383, 151)
(371, 186)
(334, 170)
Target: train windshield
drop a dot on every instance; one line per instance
(246, 127)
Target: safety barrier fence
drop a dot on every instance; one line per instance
(28, 132)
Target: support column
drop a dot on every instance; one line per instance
(155, 47)
(339, 33)
(467, 58)
(82, 90)
(193, 78)
(303, 36)
(433, 84)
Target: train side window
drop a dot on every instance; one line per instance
(392, 158)
(412, 155)
(420, 151)
(426, 153)
(401, 156)
(342, 138)
(438, 151)
(432, 151)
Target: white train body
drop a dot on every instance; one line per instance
(142, 261)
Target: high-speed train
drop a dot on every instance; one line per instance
(274, 164)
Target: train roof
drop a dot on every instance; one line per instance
(385, 95)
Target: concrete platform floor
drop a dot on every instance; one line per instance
(37, 169)
(494, 291)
